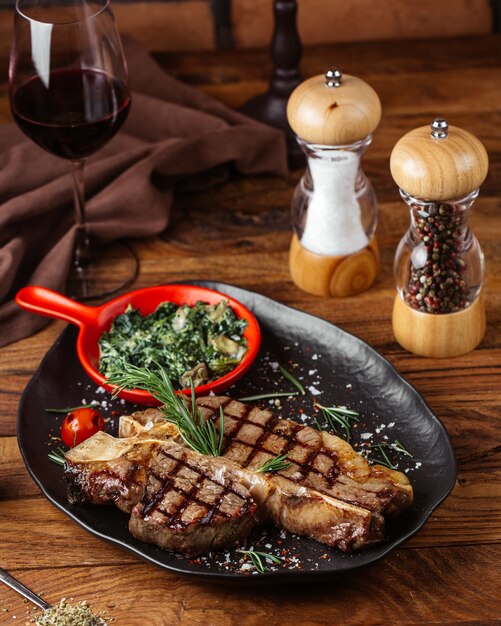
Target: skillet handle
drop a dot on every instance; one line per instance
(53, 304)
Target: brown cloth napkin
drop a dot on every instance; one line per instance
(173, 131)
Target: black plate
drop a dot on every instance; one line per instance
(345, 369)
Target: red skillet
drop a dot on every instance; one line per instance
(93, 321)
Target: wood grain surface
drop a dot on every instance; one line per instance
(449, 573)
(322, 113)
(439, 169)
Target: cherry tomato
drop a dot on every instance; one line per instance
(79, 425)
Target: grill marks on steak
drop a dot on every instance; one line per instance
(191, 504)
(317, 459)
(178, 499)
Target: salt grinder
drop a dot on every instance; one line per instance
(334, 209)
(438, 311)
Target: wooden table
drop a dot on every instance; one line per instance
(449, 573)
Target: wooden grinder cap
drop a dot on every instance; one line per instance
(441, 163)
(333, 109)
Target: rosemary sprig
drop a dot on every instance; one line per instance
(265, 396)
(57, 457)
(276, 464)
(292, 379)
(69, 409)
(259, 559)
(338, 416)
(397, 446)
(317, 424)
(401, 449)
(199, 434)
(386, 461)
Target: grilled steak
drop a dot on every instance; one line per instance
(318, 460)
(185, 501)
(137, 474)
(105, 470)
(329, 492)
(192, 503)
(180, 500)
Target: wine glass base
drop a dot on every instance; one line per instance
(113, 268)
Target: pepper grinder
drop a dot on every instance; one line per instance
(438, 310)
(334, 209)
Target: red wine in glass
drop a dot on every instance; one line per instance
(75, 114)
(69, 90)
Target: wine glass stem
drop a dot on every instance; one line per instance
(82, 244)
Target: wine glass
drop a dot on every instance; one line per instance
(69, 91)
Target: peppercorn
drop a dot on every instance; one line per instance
(438, 285)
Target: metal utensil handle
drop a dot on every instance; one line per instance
(13, 583)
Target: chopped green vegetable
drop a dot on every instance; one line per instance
(192, 343)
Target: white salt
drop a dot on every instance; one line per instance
(334, 224)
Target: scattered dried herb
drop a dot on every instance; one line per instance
(64, 614)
